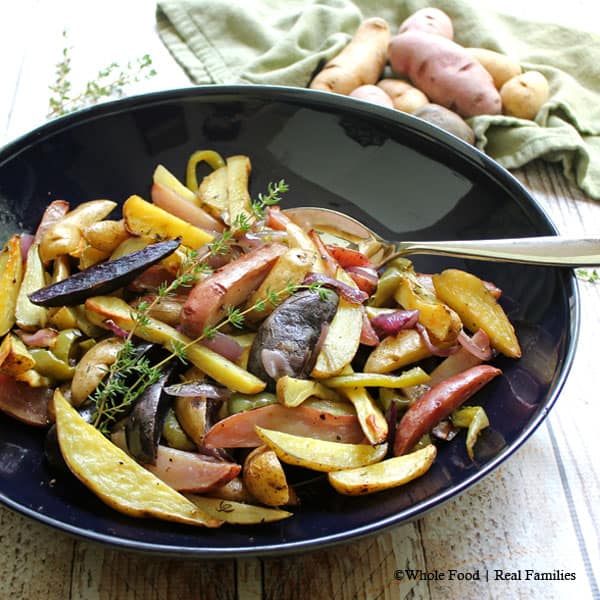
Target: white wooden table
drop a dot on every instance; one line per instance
(539, 511)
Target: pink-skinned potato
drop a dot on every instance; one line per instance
(445, 72)
(228, 286)
(373, 94)
(429, 20)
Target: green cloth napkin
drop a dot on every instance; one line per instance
(282, 43)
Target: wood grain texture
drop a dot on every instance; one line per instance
(538, 511)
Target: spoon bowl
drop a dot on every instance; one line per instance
(542, 250)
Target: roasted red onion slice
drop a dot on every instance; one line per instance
(192, 389)
(478, 345)
(435, 350)
(224, 345)
(42, 338)
(118, 331)
(368, 335)
(348, 293)
(275, 363)
(391, 323)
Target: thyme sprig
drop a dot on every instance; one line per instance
(110, 82)
(587, 275)
(131, 373)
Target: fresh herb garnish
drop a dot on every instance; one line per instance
(109, 82)
(592, 276)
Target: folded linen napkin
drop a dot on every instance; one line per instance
(283, 43)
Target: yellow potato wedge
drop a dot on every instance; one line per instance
(115, 477)
(264, 477)
(146, 219)
(65, 236)
(11, 275)
(293, 392)
(395, 352)
(238, 513)
(371, 419)
(290, 268)
(343, 336)
(93, 368)
(163, 176)
(414, 376)
(90, 256)
(384, 475)
(212, 194)
(212, 364)
(29, 316)
(14, 356)
(478, 309)
(106, 235)
(238, 197)
(320, 455)
(191, 414)
(442, 323)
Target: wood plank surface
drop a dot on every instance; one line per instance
(539, 511)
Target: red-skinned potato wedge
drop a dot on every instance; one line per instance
(438, 403)
(238, 430)
(347, 257)
(228, 286)
(24, 403)
(170, 201)
(190, 471)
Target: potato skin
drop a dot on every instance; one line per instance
(446, 119)
(405, 97)
(359, 63)
(445, 72)
(499, 66)
(523, 95)
(372, 93)
(429, 20)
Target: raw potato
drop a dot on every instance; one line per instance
(499, 66)
(447, 120)
(445, 72)
(524, 95)
(477, 308)
(405, 97)
(429, 20)
(384, 475)
(114, 476)
(359, 63)
(372, 93)
(264, 477)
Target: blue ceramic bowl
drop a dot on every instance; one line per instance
(399, 175)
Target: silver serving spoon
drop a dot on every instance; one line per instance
(544, 250)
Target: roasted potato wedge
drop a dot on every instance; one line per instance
(163, 176)
(383, 475)
(343, 337)
(115, 477)
(146, 219)
(238, 197)
(237, 513)
(320, 455)
(293, 392)
(11, 274)
(442, 323)
(27, 315)
(478, 309)
(395, 352)
(264, 477)
(65, 236)
(14, 356)
(106, 235)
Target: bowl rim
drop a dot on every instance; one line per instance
(325, 100)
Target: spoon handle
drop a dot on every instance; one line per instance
(548, 250)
